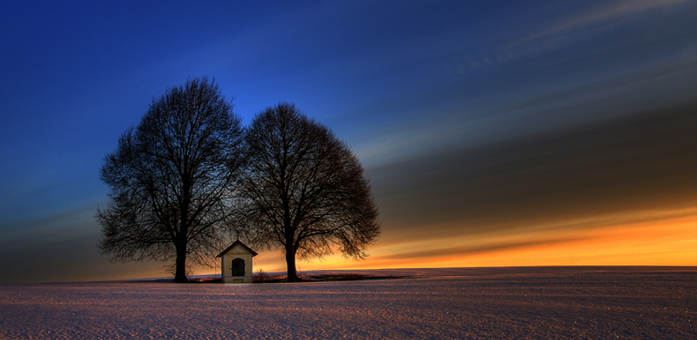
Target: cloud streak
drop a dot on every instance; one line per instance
(460, 251)
(629, 163)
(567, 28)
(606, 13)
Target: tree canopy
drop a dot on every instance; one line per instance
(304, 189)
(172, 180)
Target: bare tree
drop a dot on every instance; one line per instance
(170, 180)
(306, 189)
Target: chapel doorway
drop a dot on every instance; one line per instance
(238, 267)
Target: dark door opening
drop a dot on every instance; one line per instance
(238, 267)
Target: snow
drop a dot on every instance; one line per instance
(542, 302)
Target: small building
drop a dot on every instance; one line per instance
(236, 263)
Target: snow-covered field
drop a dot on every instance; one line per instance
(544, 302)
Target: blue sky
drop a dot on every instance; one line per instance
(457, 85)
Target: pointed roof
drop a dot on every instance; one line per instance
(238, 242)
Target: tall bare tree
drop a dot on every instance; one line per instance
(306, 189)
(171, 180)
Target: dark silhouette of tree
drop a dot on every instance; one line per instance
(170, 180)
(305, 189)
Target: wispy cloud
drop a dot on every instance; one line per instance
(567, 30)
(606, 13)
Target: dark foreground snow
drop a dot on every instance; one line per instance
(568, 302)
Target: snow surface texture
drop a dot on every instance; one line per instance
(546, 302)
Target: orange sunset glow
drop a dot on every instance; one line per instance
(647, 238)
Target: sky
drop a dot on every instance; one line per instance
(493, 133)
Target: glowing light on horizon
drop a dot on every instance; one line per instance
(645, 238)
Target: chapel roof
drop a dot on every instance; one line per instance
(238, 242)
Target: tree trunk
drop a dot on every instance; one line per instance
(290, 261)
(180, 270)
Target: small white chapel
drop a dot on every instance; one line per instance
(236, 263)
